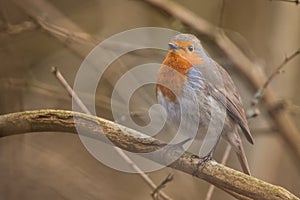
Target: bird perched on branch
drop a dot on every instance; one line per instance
(193, 88)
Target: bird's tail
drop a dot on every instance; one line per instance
(240, 152)
(236, 143)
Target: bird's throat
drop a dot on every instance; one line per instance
(172, 76)
(177, 62)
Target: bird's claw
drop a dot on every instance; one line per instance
(202, 162)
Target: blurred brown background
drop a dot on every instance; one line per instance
(56, 165)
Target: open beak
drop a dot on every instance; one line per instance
(173, 46)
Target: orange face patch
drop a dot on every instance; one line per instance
(192, 57)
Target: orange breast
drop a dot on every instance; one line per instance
(172, 76)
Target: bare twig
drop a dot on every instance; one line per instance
(223, 162)
(259, 94)
(14, 29)
(168, 179)
(251, 70)
(71, 92)
(68, 35)
(289, 1)
(222, 13)
(133, 141)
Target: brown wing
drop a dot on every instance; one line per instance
(230, 98)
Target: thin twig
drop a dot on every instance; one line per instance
(13, 29)
(79, 37)
(259, 94)
(163, 184)
(71, 92)
(223, 162)
(289, 1)
(222, 13)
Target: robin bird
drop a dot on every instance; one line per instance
(188, 69)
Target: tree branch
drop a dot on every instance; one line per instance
(131, 140)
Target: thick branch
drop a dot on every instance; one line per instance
(219, 175)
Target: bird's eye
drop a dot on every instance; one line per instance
(191, 48)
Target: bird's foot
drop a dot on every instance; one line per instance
(203, 160)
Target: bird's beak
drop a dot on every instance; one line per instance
(173, 46)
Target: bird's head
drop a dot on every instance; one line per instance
(184, 52)
(188, 47)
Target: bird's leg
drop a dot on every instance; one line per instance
(201, 164)
(206, 158)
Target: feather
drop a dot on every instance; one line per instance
(228, 96)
